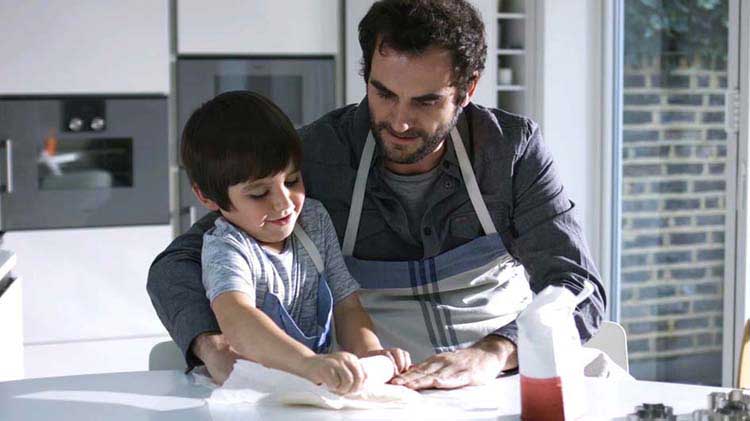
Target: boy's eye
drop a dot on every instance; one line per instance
(258, 195)
(291, 182)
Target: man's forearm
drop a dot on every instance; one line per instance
(209, 343)
(502, 348)
(213, 349)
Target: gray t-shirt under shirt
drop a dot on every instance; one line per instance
(411, 191)
(232, 260)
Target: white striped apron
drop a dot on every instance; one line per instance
(441, 303)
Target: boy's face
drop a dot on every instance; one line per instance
(266, 208)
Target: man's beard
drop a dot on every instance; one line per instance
(429, 142)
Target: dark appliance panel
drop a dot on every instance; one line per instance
(304, 88)
(83, 162)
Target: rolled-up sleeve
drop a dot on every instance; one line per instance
(176, 290)
(545, 236)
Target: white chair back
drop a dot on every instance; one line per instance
(611, 340)
(166, 356)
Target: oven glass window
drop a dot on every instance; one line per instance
(84, 164)
(284, 90)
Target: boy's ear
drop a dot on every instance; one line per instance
(208, 203)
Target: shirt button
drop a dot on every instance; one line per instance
(427, 231)
(448, 184)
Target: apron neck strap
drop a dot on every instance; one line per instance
(471, 184)
(355, 210)
(358, 196)
(309, 246)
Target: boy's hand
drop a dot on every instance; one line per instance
(340, 372)
(401, 359)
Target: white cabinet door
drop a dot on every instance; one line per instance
(84, 47)
(87, 284)
(279, 27)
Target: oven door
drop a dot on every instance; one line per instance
(304, 88)
(56, 177)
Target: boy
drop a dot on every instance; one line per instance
(272, 268)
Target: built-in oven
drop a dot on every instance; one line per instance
(304, 88)
(83, 161)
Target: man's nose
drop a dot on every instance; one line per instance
(400, 119)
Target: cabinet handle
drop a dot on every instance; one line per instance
(7, 144)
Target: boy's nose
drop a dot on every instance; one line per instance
(282, 202)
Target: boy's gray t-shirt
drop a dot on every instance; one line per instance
(232, 260)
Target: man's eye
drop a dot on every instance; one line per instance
(385, 95)
(427, 103)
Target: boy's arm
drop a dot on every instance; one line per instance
(354, 330)
(356, 334)
(254, 336)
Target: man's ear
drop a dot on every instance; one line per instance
(471, 89)
(208, 203)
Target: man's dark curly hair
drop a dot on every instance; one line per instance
(411, 26)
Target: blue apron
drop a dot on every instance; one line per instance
(445, 302)
(320, 340)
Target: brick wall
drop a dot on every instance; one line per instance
(674, 185)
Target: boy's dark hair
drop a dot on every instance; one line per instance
(411, 26)
(236, 137)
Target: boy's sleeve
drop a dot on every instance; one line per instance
(339, 279)
(226, 267)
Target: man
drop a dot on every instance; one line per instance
(441, 206)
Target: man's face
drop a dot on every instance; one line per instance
(412, 103)
(267, 208)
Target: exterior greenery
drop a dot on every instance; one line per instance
(659, 28)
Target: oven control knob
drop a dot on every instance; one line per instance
(97, 123)
(75, 124)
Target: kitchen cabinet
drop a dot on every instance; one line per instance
(85, 303)
(84, 46)
(259, 27)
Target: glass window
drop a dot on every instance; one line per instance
(673, 185)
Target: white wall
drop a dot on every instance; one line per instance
(572, 103)
(84, 47)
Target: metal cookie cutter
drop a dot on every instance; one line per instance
(652, 412)
(725, 407)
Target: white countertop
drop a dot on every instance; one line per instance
(171, 395)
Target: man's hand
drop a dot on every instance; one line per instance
(216, 354)
(478, 364)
